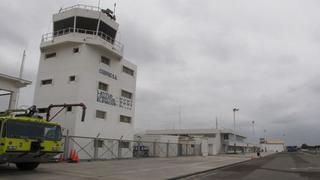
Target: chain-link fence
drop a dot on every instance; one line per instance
(90, 148)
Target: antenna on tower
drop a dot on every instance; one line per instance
(22, 64)
(114, 10)
(20, 75)
(98, 25)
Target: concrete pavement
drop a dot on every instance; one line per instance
(293, 166)
(148, 168)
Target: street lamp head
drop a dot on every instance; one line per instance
(235, 109)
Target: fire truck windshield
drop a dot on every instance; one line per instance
(32, 130)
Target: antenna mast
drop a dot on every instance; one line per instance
(114, 9)
(20, 76)
(98, 25)
(22, 64)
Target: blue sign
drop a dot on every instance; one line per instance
(106, 98)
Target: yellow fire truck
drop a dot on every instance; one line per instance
(27, 139)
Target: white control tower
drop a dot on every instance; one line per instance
(81, 62)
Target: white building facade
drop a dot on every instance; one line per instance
(271, 145)
(212, 141)
(81, 62)
(9, 90)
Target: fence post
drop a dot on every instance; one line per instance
(95, 148)
(154, 148)
(66, 146)
(168, 149)
(119, 149)
(187, 148)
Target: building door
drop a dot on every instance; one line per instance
(179, 149)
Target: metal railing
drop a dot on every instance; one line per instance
(91, 33)
(80, 6)
(91, 148)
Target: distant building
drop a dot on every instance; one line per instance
(9, 87)
(212, 141)
(272, 145)
(82, 62)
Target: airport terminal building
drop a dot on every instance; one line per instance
(211, 141)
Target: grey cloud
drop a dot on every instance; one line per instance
(206, 57)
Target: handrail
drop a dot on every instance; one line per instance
(50, 36)
(81, 6)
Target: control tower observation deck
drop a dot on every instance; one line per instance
(84, 24)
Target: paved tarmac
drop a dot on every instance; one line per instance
(147, 168)
(280, 166)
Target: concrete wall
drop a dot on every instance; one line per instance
(85, 66)
(273, 147)
(10, 86)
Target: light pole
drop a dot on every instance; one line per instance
(234, 127)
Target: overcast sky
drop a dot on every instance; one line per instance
(205, 57)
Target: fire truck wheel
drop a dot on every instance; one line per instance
(27, 165)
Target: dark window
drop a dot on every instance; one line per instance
(72, 78)
(46, 81)
(100, 114)
(69, 108)
(75, 50)
(63, 24)
(125, 119)
(124, 144)
(103, 86)
(128, 70)
(50, 55)
(225, 136)
(42, 110)
(105, 60)
(126, 94)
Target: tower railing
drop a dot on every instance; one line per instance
(117, 46)
(80, 6)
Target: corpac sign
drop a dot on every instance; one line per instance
(107, 73)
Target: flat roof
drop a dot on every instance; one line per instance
(192, 131)
(19, 82)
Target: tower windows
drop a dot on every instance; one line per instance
(105, 60)
(125, 119)
(103, 86)
(46, 82)
(50, 55)
(126, 94)
(72, 78)
(101, 114)
(128, 70)
(75, 50)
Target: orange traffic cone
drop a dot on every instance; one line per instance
(71, 157)
(76, 157)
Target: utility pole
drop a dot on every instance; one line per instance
(216, 122)
(180, 117)
(253, 127)
(234, 128)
